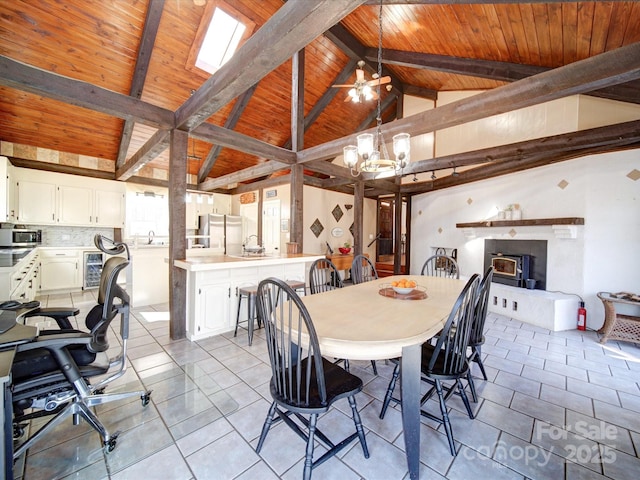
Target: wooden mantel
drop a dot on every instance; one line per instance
(522, 223)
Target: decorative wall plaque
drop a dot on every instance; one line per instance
(249, 197)
(316, 227)
(337, 213)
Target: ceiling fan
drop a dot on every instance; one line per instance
(361, 89)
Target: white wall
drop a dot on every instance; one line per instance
(604, 256)
(319, 204)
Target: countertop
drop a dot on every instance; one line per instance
(10, 257)
(220, 262)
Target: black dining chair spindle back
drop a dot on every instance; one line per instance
(303, 383)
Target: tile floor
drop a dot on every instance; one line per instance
(557, 405)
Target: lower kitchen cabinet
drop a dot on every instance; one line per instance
(61, 269)
(213, 305)
(212, 295)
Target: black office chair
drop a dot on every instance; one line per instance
(441, 266)
(62, 315)
(362, 270)
(303, 383)
(447, 360)
(51, 375)
(324, 276)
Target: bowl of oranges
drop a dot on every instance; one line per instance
(403, 286)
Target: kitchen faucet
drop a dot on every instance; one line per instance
(151, 235)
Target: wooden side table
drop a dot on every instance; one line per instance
(618, 326)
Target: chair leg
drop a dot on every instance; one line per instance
(389, 394)
(235, 332)
(250, 319)
(477, 357)
(359, 429)
(445, 417)
(375, 368)
(308, 458)
(465, 399)
(266, 426)
(472, 387)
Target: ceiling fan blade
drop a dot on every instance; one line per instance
(359, 74)
(348, 98)
(380, 81)
(342, 85)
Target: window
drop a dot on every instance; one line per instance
(221, 31)
(220, 41)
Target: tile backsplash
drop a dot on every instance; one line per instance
(54, 236)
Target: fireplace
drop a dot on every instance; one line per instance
(511, 269)
(515, 261)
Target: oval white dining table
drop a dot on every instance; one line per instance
(357, 323)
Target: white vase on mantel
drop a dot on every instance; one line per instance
(516, 214)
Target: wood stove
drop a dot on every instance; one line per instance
(516, 261)
(510, 269)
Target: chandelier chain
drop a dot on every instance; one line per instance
(381, 146)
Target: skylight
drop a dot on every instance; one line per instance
(220, 41)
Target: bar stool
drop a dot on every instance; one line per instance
(250, 293)
(297, 285)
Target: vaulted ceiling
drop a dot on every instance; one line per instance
(111, 79)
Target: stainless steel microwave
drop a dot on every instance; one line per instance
(18, 237)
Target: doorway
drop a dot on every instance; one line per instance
(271, 226)
(388, 237)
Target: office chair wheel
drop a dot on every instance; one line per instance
(110, 445)
(146, 398)
(18, 430)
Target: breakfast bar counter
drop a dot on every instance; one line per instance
(213, 282)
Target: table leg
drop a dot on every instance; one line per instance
(410, 374)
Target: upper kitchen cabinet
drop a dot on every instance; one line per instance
(198, 203)
(7, 191)
(57, 199)
(36, 202)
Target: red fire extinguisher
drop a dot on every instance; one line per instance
(582, 317)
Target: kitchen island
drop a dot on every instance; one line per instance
(213, 282)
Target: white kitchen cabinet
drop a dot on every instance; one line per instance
(75, 205)
(21, 282)
(57, 199)
(36, 202)
(213, 305)
(7, 209)
(109, 208)
(61, 269)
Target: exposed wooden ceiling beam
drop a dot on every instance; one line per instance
(593, 137)
(262, 184)
(290, 29)
(230, 123)
(461, 2)
(228, 138)
(493, 70)
(149, 32)
(60, 168)
(35, 80)
(153, 147)
(355, 50)
(496, 169)
(257, 171)
(609, 68)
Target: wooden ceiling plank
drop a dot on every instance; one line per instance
(149, 33)
(291, 28)
(157, 144)
(35, 80)
(230, 123)
(609, 68)
(237, 141)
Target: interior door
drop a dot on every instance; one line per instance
(271, 226)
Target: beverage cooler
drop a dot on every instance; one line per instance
(92, 270)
